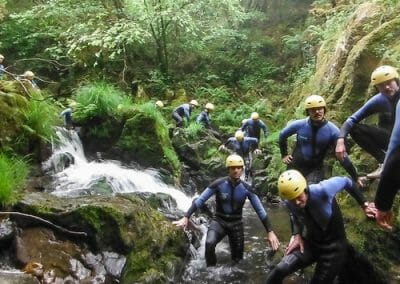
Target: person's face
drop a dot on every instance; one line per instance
(1, 59)
(235, 172)
(300, 201)
(388, 88)
(316, 113)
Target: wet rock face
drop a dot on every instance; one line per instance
(60, 258)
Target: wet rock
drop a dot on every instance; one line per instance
(17, 278)
(7, 231)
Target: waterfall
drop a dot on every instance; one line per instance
(74, 175)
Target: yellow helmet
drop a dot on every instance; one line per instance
(210, 106)
(314, 101)
(234, 161)
(159, 104)
(254, 115)
(383, 73)
(29, 74)
(239, 135)
(1, 56)
(291, 184)
(194, 103)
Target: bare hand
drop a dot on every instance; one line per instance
(287, 159)
(273, 240)
(340, 149)
(222, 148)
(384, 219)
(370, 210)
(296, 242)
(361, 181)
(182, 223)
(257, 151)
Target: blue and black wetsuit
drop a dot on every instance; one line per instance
(204, 119)
(180, 113)
(242, 148)
(253, 127)
(390, 178)
(230, 198)
(366, 135)
(313, 142)
(320, 223)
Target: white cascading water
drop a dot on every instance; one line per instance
(80, 175)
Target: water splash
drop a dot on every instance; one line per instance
(79, 176)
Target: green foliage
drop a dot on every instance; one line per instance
(219, 95)
(40, 117)
(193, 130)
(99, 99)
(13, 173)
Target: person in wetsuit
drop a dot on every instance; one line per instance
(373, 139)
(244, 147)
(183, 111)
(389, 183)
(316, 136)
(318, 233)
(204, 117)
(252, 127)
(230, 195)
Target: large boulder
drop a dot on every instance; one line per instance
(122, 224)
(145, 139)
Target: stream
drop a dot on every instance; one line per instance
(74, 175)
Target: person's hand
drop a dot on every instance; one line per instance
(384, 219)
(273, 240)
(370, 209)
(296, 242)
(257, 151)
(287, 159)
(340, 149)
(182, 223)
(221, 148)
(361, 181)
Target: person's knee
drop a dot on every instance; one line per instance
(277, 273)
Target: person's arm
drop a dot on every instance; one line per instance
(285, 133)
(264, 128)
(349, 167)
(197, 203)
(262, 214)
(296, 240)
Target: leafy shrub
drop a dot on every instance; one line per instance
(99, 99)
(13, 173)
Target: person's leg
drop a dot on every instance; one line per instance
(215, 234)
(289, 264)
(330, 262)
(236, 241)
(178, 119)
(316, 175)
(372, 139)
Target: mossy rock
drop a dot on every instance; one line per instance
(145, 139)
(124, 223)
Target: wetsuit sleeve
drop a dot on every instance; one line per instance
(258, 207)
(294, 224)
(349, 167)
(366, 110)
(355, 192)
(264, 128)
(199, 202)
(283, 136)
